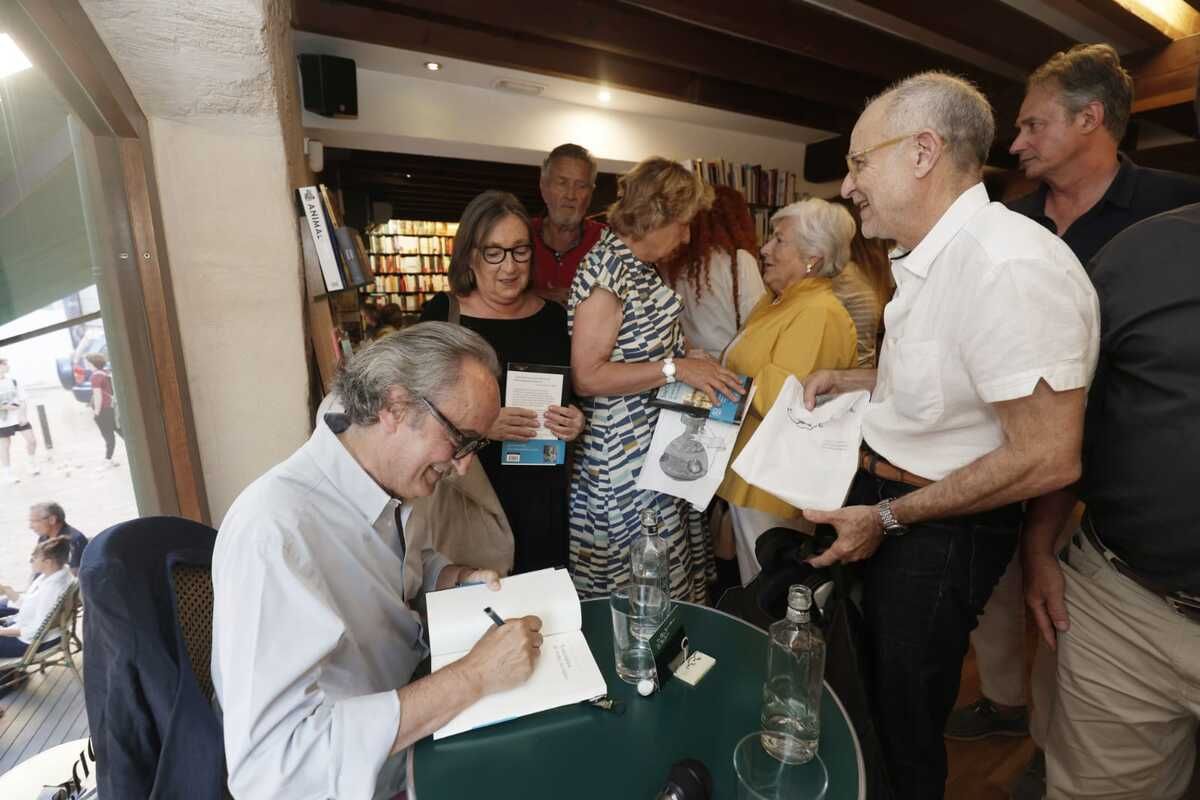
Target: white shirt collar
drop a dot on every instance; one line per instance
(954, 219)
(355, 484)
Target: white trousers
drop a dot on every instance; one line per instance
(1125, 719)
(748, 525)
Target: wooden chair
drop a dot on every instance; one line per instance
(59, 654)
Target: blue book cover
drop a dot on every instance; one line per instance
(679, 396)
(535, 452)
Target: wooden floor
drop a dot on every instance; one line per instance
(48, 710)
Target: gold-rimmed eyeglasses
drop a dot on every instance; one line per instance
(857, 160)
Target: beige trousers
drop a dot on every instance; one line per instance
(1128, 694)
(999, 640)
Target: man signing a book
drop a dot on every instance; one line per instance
(314, 637)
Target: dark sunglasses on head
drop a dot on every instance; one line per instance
(463, 445)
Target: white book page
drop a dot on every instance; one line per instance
(536, 391)
(565, 672)
(457, 619)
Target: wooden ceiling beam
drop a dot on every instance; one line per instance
(635, 33)
(1127, 21)
(1165, 76)
(992, 27)
(563, 59)
(809, 31)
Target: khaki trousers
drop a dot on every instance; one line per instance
(1128, 695)
(999, 640)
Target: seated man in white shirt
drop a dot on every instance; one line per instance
(977, 404)
(314, 639)
(34, 606)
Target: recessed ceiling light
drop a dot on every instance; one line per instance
(12, 60)
(604, 95)
(432, 66)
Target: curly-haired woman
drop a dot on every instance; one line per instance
(716, 275)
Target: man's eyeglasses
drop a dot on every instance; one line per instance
(494, 254)
(857, 160)
(463, 445)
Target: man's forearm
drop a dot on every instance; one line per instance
(431, 702)
(1003, 476)
(1045, 517)
(853, 380)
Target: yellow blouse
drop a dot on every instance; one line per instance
(806, 330)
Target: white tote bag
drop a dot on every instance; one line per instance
(806, 458)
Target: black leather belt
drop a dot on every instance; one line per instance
(1185, 604)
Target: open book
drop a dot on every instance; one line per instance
(565, 672)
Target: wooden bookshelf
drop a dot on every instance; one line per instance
(765, 190)
(411, 262)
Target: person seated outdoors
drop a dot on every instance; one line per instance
(315, 640)
(496, 300)
(35, 604)
(48, 520)
(799, 327)
(715, 273)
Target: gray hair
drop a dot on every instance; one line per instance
(575, 151)
(951, 106)
(425, 360)
(50, 509)
(827, 228)
(1089, 73)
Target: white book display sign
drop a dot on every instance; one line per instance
(566, 671)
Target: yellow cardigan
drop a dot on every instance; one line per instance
(806, 330)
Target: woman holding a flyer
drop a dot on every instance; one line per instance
(626, 340)
(798, 327)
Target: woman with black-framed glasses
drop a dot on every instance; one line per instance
(492, 294)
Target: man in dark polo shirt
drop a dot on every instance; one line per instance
(562, 237)
(1075, 112)
(1122, 605)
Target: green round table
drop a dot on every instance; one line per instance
(582, 752)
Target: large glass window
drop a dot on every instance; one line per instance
(61, 427)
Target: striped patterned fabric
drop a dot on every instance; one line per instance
(605, 503)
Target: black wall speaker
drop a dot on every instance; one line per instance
(329, 84)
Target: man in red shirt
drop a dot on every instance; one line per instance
(562, 237)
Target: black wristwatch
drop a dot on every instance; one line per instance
(891, 527)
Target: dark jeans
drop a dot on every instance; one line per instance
(106, 421)
(922, 595)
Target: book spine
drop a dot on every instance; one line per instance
(318, 226)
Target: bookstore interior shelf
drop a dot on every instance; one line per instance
(410, 260)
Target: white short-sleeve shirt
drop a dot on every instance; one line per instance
(986, 305)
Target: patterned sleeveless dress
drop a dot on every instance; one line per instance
(605, 503)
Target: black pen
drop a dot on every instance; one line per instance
(495, 617)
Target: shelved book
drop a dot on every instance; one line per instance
(679, 396)
(565, 672)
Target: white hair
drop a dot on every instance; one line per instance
(827, 228)
(952, 106)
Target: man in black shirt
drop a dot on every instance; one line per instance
(1123, 607)
(1074, 115)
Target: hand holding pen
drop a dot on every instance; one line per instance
(506, 654)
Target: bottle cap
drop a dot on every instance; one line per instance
(649, 518)
(800, 597)
(645, 687)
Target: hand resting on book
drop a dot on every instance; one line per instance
(506, 654)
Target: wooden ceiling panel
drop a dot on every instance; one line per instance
(992, 27)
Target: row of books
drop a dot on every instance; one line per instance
(408, 302)
(335, 248)
(767, 187)
(416, 227)
(411, 283)
(405, 244)
(393, 264)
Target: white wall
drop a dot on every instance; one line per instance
(234, 255)
(403, 114)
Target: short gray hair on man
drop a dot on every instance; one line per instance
(1090, 73)
(948, 104)
(425, 360)
(50, 509)
(575, 151)
(827, 228)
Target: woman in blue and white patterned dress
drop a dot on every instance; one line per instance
(626, 341)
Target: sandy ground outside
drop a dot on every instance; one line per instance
(73, 474)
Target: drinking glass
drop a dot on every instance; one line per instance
(631, 651)
(761, 776)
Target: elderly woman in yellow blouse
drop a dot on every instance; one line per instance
(798, 327)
